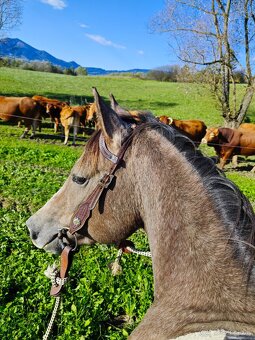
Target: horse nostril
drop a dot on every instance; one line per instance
(34, 235)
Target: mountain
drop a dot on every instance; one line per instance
(94, 71)
(18, 49)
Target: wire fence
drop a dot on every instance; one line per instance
(22, 118)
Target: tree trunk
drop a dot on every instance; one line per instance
(233, 121)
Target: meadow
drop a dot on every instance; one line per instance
(94, 303)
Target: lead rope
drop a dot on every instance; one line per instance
(58, 277)
(53, 274)
(53, 316)
(125, 247)
(139, 252)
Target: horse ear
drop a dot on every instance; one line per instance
(109, 122)
(117, 108)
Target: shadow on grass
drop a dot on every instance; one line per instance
(139, 104)
(143, 104)
(72, 99)
(244, 167)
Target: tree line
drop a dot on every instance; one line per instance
(189, 74)
(41, 66)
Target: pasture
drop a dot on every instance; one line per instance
(94, 302)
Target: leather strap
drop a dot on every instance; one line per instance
(82, 214)
(64, 267)
(105, 152)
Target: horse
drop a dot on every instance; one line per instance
(200, 227)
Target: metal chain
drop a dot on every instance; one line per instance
(53, 316)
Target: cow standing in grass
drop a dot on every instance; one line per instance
(21, 109)
(75, 116)
(229, 142)
(52, 108)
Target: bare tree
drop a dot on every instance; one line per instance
(217, 35)
(10, 15)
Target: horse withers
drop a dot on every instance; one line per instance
(199, 226)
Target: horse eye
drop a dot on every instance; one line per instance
(79, 180)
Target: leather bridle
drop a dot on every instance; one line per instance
(82, 214)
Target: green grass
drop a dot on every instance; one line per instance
(181, 101)
(31, 171)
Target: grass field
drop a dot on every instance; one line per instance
(181, 101)
(31, 171)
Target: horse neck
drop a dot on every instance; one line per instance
(189, 245)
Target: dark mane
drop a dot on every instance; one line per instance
(234, 208)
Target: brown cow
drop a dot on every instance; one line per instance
(91, 112)
(73, 116)
(17, 109)
(247, 127)
(228, 142)
(194, 129)
(52, 108)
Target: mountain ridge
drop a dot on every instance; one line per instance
(18, 49)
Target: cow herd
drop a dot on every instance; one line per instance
(227, 143)
(31, 110)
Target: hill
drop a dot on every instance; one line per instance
(18, 49)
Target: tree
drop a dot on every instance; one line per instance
(217, 35)
(164, 73)
(81, 71)
(69, 71)
(10, 15)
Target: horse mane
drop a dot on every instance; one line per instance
(233, 208)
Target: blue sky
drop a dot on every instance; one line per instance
(111, 34)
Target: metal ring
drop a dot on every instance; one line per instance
(63, 233)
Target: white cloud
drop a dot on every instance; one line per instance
(141, 52)
(84, 26)
(102, 41)
(57, 4)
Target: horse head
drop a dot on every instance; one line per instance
(114, 218)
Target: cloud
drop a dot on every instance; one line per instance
(102, 41)
(141, 52)
(84, 26)
(57, 4)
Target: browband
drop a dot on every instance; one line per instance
(105, 152)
